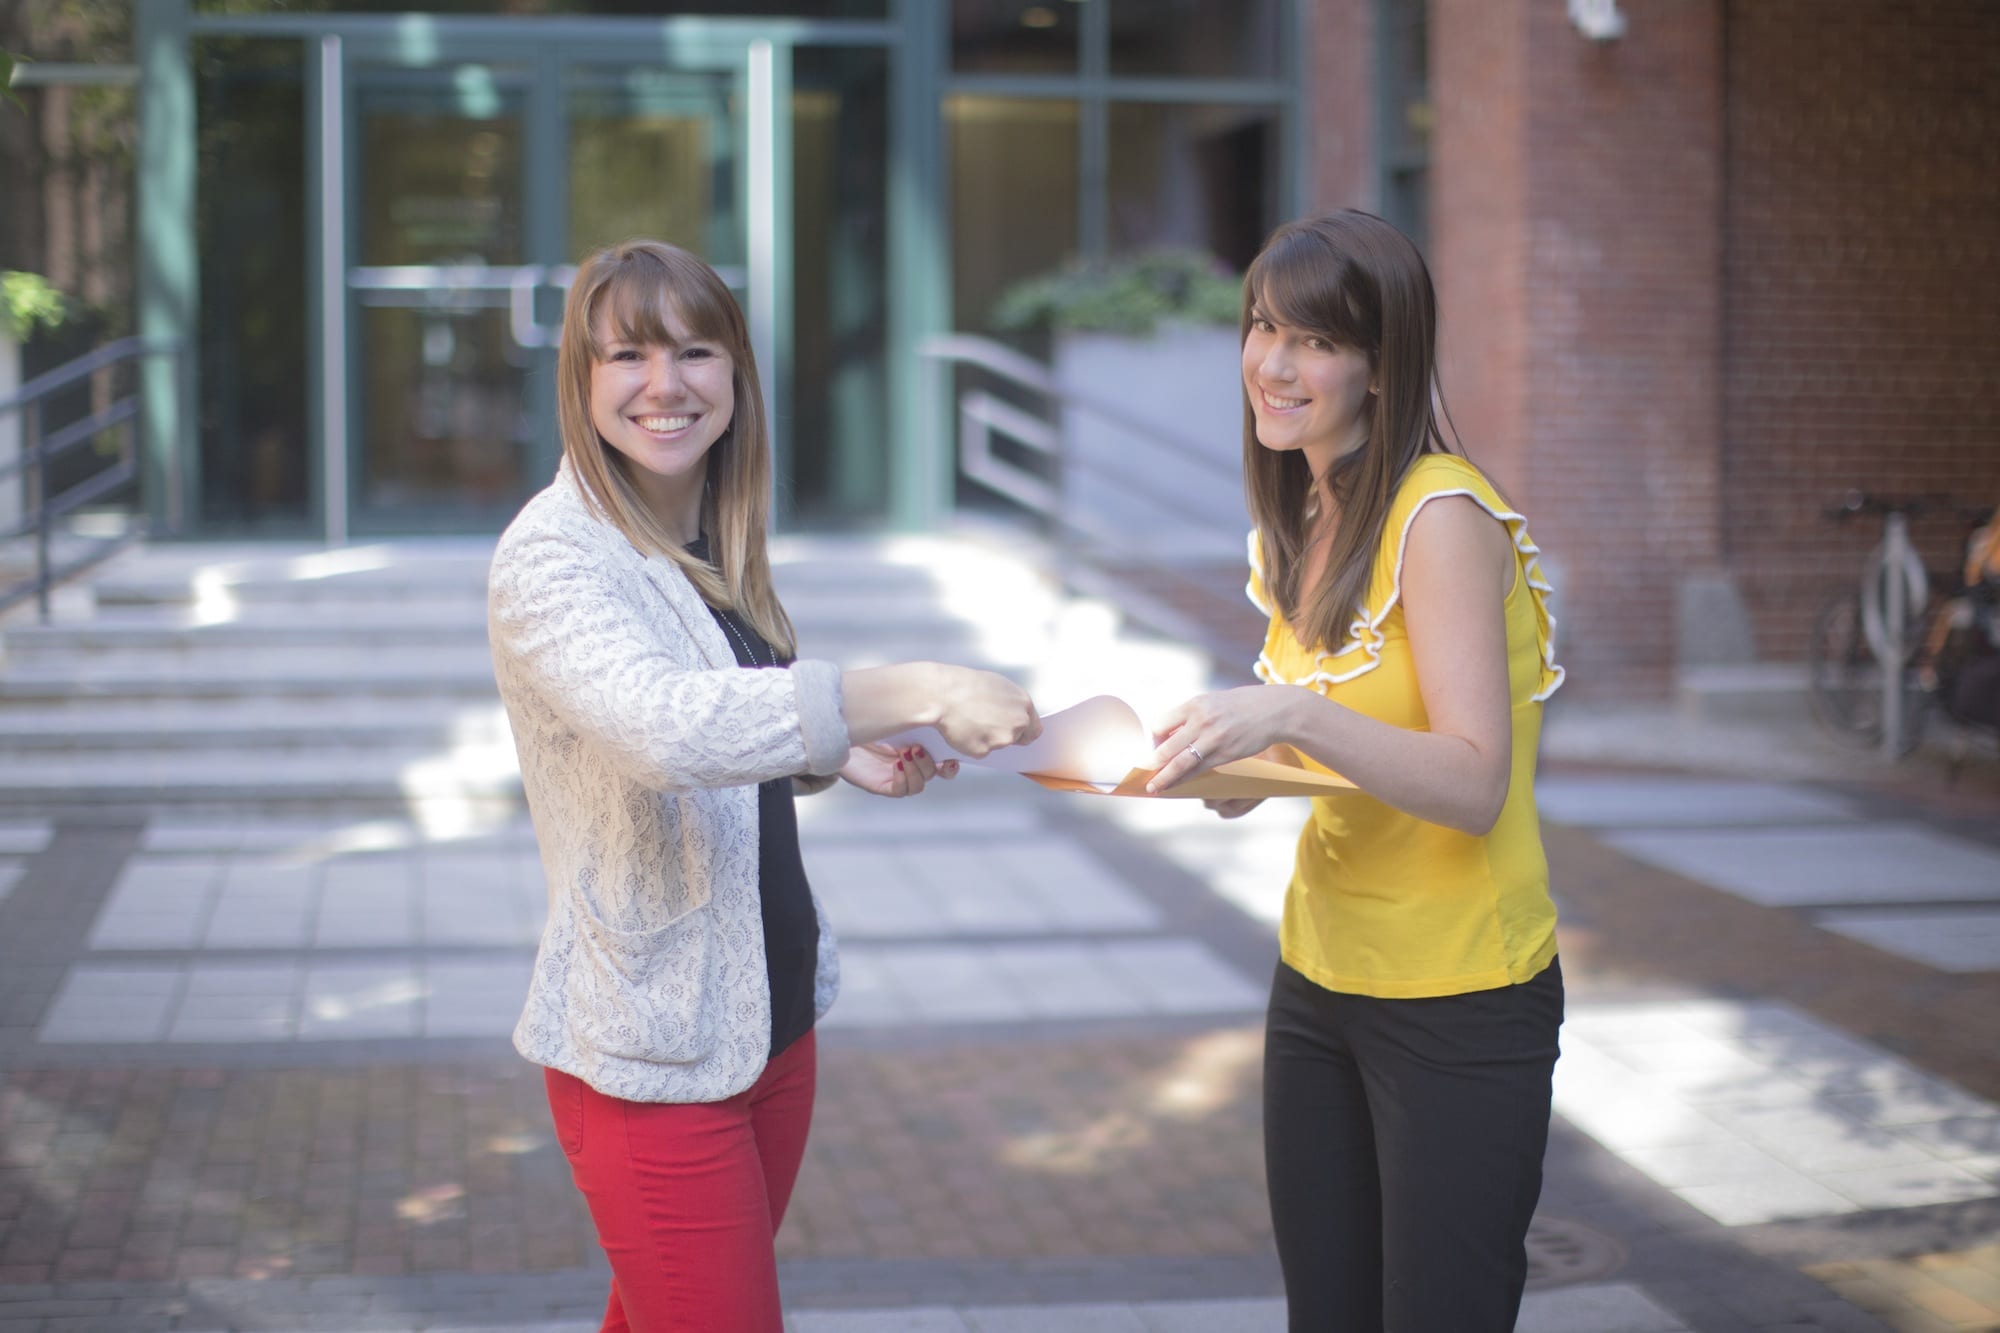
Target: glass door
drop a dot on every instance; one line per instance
(473, 189)
(655, 153)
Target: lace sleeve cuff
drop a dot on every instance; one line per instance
(821, 722)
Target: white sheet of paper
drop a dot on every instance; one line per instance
(1099, 740)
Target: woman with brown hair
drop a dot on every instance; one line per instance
(1412, 1031)
(663, 720)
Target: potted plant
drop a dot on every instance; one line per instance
(1153, 337)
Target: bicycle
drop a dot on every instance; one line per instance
(1878, 624)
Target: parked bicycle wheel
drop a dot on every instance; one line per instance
(1845, 681)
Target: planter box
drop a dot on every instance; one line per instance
(1165, 478)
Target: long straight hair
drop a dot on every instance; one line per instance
(638, 286)
(1356, 281)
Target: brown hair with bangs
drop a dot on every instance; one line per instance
(1355, 280)
(637, 286)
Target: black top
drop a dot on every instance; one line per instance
(791, 927)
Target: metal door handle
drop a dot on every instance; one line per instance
(521, 306)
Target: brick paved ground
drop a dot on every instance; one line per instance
(1105, 1170)
(945, 1161)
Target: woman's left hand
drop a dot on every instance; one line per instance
(1219, 728)
(889, 770)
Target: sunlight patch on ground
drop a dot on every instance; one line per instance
(1209, 1073)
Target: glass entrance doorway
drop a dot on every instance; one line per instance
(472, 186)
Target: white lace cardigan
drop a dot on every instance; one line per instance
(641, 743)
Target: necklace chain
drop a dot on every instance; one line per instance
(749, 649)
(725, 619)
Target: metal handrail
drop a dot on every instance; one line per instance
(38, 449)
(981, 415)
(1090, 554)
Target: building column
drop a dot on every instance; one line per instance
(922, 469)
(168, 270)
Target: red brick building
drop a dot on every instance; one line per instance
(1698, 280)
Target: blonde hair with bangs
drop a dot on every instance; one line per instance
(1355, 280)
(637, 286)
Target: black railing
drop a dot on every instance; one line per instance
(43, 505)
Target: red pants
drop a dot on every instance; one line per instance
(687, 1196)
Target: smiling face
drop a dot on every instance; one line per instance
(661, 406)
(1308, 393)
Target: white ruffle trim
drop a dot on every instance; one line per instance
(1256, 575)
(1365, 634)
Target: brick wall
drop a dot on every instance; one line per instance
(1699, 281)
(1576, 239)
(1863, 282)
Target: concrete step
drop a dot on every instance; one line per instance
(483, 775)
(232, 677)
(300, 674)
(424, 627)
(216, 575)
(335, 726)
(172, 636)
(170, 576)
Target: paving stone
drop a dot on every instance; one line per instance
(1624, 801)
(1605, 1308)
(1871, 863)
(1950, 941)
(1066, 1124)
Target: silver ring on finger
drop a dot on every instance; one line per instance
(1196, 753)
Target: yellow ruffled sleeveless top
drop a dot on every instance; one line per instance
(1382, 903)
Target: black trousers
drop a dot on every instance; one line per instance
(1403, 1145)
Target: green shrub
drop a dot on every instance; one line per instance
(1131, 295)
(27, 303)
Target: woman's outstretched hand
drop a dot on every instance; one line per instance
(882, 769)
(1219, 728)
(983, 712)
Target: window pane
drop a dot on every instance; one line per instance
(66, 215)
(1406, 129)
(805, 9)
(251, 204)
(1009, 37)
(443, 429)
(1217, 38)
(1013, 196)
(648, 154)
(66, 205)
(442, 177)
(840, 190)
(1190, 175)
(94, 34)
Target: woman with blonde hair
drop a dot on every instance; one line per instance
(663, 721)
(1413, 1022)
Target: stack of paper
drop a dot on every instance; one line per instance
(1100, 746)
